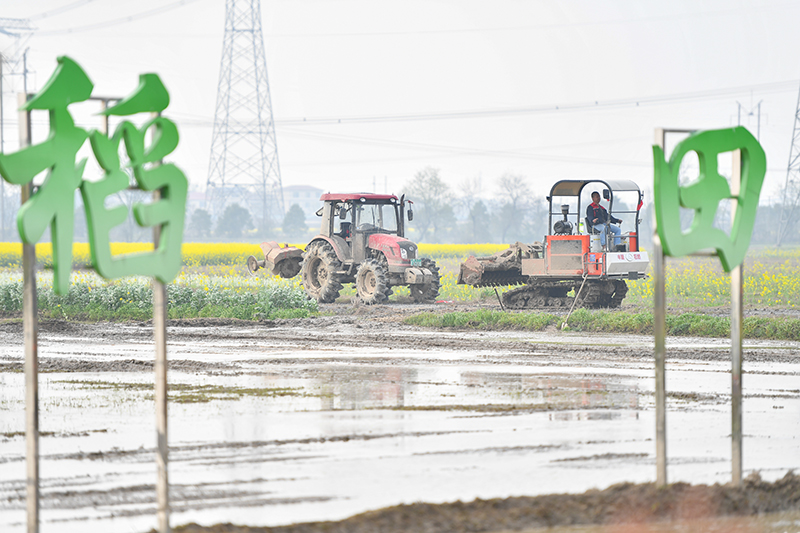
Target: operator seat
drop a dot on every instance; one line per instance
(345, 230)
(591, 229)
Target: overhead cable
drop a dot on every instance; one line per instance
(121, 20)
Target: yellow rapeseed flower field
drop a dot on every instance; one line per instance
(770, 280)
(772, 277)
(205, 254)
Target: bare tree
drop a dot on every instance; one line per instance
(514, 197)
(468, 194)
(432, 202)
(478, 223)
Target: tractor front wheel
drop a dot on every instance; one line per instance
(427, 293)
(371, 282)
(318, 269)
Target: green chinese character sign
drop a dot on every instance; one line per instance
(53, 202)
(704, 195)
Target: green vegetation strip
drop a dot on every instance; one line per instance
(133, 300)
(685, 324)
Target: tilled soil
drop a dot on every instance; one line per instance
(345, 325)
(358, 327)
(625, 503)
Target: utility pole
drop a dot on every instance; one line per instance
(25, 71)
(750, 113)
(2, 151)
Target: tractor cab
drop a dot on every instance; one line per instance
(361, 241)
(622, 199)
(353, 219)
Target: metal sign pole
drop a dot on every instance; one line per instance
(660, 333)
(737, 318)
(160, 337)
(30, 321)
(737, 283)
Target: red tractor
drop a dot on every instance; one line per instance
(361, 241)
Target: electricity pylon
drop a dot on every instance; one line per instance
(21, 31)
(244, 165)
(791, 189)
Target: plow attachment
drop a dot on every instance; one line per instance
(502, 268)
(280, 261)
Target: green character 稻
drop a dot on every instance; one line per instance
(167, 212)
(53, 203)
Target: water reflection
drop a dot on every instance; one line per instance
(343, 388)
(363, 388)
(564, 391)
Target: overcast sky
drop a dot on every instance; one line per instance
(549, 90)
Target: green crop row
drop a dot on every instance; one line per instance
(132, 299)
(685, 324)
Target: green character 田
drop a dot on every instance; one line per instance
(704, 195)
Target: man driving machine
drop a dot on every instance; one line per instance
(599, 218)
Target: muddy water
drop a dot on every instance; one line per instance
(282, 423)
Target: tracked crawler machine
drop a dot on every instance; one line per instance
(571, 264)
(361, 241)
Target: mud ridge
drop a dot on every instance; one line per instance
(625, 503)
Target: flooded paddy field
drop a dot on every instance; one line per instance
(319, 419)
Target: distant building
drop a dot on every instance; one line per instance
(306, 196)
(195, 200)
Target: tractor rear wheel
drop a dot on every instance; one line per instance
(371, 282)
(427, 293)
(320, 280)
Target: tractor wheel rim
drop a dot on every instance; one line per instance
(370, 282)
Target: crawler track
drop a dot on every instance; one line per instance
(553, 294)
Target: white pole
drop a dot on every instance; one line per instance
(660, 333)
(30, 326)
(160, 334)
(160, 337)
(737, 318)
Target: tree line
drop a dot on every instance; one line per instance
(468, 213)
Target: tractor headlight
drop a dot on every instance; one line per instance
(403, 253)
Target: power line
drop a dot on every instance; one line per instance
(535, 110)
(121, 20)
(516, 111)
(461, 150)
(59, 10)
(547, 26)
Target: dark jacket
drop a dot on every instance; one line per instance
(597, 211)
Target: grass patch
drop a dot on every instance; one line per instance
(189, 393)
(685, 324)
(92, 299)
(498, 407)
(482, 408)
(485, 319)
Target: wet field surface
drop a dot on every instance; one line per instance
(319, 419)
